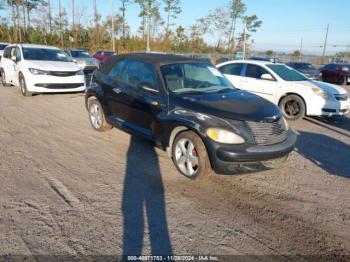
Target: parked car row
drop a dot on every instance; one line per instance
(223, 118)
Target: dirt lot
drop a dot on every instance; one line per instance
(66, 189)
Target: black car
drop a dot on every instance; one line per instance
(306, 68)
(188, 108)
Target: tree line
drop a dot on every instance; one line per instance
(33, 21)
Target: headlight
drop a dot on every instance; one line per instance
(322, 93)
(37, 71)
(224, 136)
(80, 72)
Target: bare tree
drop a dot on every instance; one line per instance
(219, 21)
(122, 9)
(237, 10)
(149, 9)
(172, 9)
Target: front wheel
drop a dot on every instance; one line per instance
(190, 155)
(3, 78)
(293, 107)
(23, 86)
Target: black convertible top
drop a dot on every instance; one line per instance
(151, 58)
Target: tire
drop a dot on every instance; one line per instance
(190, 155)
(293, 107)
(3, 78)
(23, 86)
(96, 116)
(343, 81)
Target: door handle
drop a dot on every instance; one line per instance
(117, 90)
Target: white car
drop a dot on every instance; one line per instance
(295, 94)
(40, 69)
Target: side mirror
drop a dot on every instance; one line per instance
(267, 77)
(148, 87)
(14, 59)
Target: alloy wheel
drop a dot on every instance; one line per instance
(186, 157)
(96, 116)
(292, 108)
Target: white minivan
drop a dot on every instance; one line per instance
(295, 94)
(40, 69)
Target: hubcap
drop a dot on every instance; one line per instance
(96, 116)
(186, 157)
(292, 108)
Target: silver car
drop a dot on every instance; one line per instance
(83, 59)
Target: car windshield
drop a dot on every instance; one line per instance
(345, 68)
(2, 47)
(80, 54)
(286, 73)
(194, 78)
(305, 67)
(43, 54)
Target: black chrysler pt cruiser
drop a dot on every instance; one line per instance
(187, 107)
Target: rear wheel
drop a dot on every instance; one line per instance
(96, 116)
(190, 155)
(293, 107)
(23, 86)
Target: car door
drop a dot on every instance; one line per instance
(17, 66)
(8, 64)
(113, 89)
(254, 83)
(12, 71)
(144, 99)
(327, 73)
(233, 73)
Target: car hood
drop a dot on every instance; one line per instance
(333, 89)
(90, 59)
(235, 105)
(52, 65)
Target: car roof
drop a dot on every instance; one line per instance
(254, 62)
(38, 46)
(159, 58)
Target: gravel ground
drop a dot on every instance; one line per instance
(68, 190)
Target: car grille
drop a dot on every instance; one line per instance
(342, 97)
(62, 73)
(60, 86)
(269, 133)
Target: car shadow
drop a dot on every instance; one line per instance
(326, 152)
(143, 197)
(330, 122)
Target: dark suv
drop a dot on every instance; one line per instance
(336, 73)
(188, 108)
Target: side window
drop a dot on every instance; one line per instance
(7, 52)
(117, 70)
(138, 72)
(255, 71)
(232, 69)
(18, 54)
